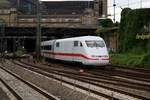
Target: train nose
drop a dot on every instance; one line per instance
(106, 58)
(100, 56)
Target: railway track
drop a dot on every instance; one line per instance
(11, 90)
(105, 78)
(122, 72)
(141, 70)
(59, 76)
(76, 86)
(129, 75)
(96, 80)
(112, 71)
(36, 92)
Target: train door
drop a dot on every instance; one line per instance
(77, 51)
(53, 49)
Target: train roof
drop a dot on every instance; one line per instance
(63, 0)
(81, 38)
(76, 38)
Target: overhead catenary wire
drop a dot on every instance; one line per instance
(132, 3)
(143, 4)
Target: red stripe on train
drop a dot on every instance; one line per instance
(75, 55)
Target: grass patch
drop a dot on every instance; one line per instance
(130, 60)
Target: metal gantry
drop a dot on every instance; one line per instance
(2, 35)
(38, 35)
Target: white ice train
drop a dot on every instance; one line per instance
(88, 50)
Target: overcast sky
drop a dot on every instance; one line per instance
(126, 3)
(119, 5)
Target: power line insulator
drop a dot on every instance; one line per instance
(114, 5)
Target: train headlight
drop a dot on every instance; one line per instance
(94, 56)
(105, 56)
(99, 56)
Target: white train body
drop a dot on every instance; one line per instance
(88, 50)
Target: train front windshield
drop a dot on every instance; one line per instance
(95, 43)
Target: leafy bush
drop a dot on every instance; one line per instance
(132, 23)
(146, 60)
(20, 51)
(105, 26)
(148, 48)
(132, 51)
(137, 50)
(106, 23)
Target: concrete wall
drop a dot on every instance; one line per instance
(9, 16)
(111, 40)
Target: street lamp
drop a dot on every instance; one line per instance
(140, 3)
(114, 10)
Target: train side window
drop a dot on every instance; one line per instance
(75, 43)
(57, 44)
(81, 44)
(46, 47)
(50, 47)
(42, 47)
